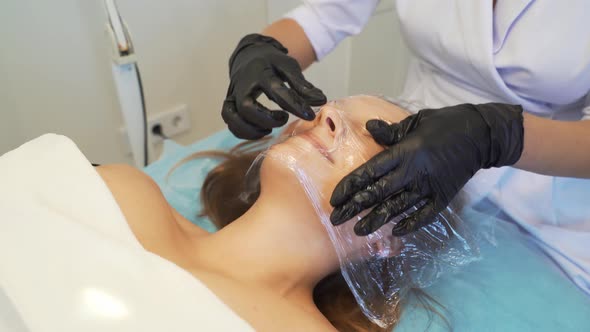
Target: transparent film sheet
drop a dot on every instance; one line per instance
(379, 268)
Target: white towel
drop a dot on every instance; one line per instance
(69, 261)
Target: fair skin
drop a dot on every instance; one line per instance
(265, 264)
(551, 147)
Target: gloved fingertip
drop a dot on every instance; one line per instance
(400, 229)
(376, 124)
(361, 229)
(337, 217)
(346, 189)
(337, 196)
(377, 127)
(343, 213)
(383, 132)
(308, 114)
(281, 117)
(371, 223)
(317, 97)
(247, 132)
(308, 91)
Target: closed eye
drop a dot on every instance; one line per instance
(366, 133)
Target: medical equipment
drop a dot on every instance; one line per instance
(128, 83)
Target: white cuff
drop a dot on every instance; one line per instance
(586, 109)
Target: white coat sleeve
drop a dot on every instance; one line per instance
(586, 110)
(327, 22)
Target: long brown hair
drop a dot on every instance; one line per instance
(223, 202)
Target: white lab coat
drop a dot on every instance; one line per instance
(527, 52)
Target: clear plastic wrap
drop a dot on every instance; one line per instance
(378, 268)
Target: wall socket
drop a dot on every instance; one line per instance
(172, 122)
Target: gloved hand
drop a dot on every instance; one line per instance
(430, 157)
(260, 64)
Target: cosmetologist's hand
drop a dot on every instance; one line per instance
(429, 157)
(260, 64)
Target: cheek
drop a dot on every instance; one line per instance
(297, 171)
(289, 165)
(352, 157)
(276, 170)
(308, 180)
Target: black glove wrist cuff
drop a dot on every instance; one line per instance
(256, 39)
(506, 133)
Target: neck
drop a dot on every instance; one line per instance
(274, 246)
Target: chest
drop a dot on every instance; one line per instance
(263, 309)
(154, 224)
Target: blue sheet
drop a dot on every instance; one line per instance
(182, 188)
(514, 287)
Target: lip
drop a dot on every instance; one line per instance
(316, 143)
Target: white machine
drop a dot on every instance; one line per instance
(128, 83)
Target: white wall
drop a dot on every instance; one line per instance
(55, 70)
(54, 77)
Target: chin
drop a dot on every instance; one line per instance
(288, 166)
(278, 170)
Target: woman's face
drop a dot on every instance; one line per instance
(321, 152)
(313, 156)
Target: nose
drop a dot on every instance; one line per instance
(328, 120)
(331, 121)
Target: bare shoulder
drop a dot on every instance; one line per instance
(157, 227)
(261, 307)
(154, 222)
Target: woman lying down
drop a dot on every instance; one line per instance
(272, 262)
(269, 259)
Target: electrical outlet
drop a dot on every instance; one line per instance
(173, 122)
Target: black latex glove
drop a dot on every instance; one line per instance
(260, 64)
(430, 157)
